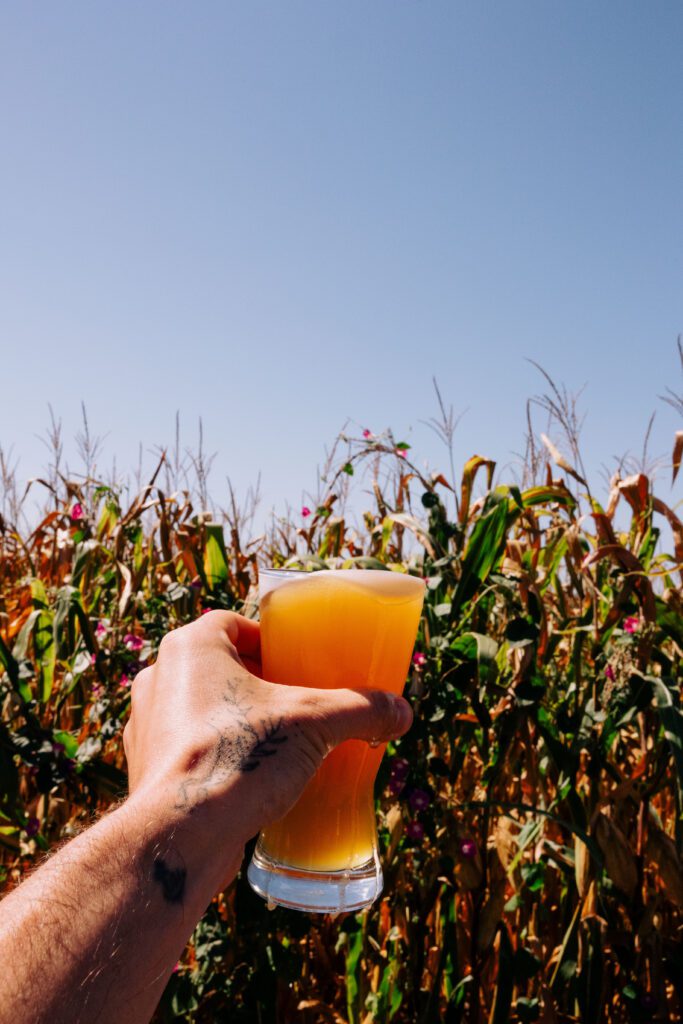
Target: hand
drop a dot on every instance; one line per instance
(230, 743)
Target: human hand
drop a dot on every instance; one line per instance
(207, 729)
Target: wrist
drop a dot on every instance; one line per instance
(186, 847)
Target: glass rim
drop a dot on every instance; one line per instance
(275, 575)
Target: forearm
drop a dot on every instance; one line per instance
(101, 924)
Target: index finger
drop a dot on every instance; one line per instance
(245, 634)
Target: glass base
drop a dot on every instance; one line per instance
(320, 892)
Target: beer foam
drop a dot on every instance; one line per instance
(396, 586)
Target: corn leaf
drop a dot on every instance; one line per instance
(215, 556)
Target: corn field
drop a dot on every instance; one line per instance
(530, 822)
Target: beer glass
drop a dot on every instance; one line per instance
(332, 628)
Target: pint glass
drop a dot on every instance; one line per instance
(333, 628)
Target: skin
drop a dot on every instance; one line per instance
(214, 754)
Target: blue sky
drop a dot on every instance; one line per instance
(280, 216)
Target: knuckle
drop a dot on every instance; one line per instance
(309, 703)
(138, 687)
(167, 641)
(143, 677)
(300, 707)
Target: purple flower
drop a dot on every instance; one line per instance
(76, 512)
(305, 511)
(632, 624)
(399, 768)
(132, 642)
(396, 786)
(419, 799)
(468, 848)
(419, 659)
(32, 827)
(609, 672)
(414, 830)
(58, 748)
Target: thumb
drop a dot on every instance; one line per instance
(371, 715)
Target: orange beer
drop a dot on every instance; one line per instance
(337, 628)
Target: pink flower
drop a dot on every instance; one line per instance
(76, 512)
(367, 434)
(419, 659)
(305, 511)
(402, 452)
(96, 690)
(609, 672)
(414, 830)
(132, 642)
(100, 630)
(468, 848)
(93, 659)
(419, 799)
(124, 681)
(176, 968)
(632, 624)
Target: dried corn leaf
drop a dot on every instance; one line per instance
(662, 850)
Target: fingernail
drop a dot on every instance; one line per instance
(403, 715)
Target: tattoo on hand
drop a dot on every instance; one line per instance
(237, 751)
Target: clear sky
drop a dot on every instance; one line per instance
(280, 215)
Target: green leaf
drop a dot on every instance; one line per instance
(11, 667)
(83, 556)
(354, 951)
(484, 550)
(669, 621)
(46, 654)
(347, 468)
(482, 649)
(215, 556)
(387, 528)
(390, 995)
(549, 494)
(23, 640)
(68, 611)
(69, 742)
(38, 593)
(672, 723)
